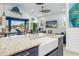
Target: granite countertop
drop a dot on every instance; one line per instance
(14, 44)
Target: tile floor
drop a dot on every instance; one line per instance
(69, 53)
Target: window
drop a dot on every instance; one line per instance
(13, 23)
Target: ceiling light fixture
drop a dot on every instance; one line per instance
(43, 9)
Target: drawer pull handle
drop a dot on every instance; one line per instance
(27, 54)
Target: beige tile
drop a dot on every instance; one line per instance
(69, 53)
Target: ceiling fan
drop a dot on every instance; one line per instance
(43, 9)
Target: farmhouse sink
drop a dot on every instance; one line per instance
(47, 45)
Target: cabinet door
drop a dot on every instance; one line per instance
(60, 50)
(60, 46)
(54, 53)
(60, 41)
(30, 52)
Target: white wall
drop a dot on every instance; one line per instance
(60, 22)
(72, 36)
(11, 14)
(7, 7)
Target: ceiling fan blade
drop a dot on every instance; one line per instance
(39, 3)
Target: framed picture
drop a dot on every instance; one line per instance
(0, 20)
(74, 15)
(51, 24)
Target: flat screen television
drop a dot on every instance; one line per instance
(51, 24)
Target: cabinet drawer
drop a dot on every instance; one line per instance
(29, 52)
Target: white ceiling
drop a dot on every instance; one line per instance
(55, 8)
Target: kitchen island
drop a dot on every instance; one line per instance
(23, 45)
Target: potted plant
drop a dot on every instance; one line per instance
(34, 27)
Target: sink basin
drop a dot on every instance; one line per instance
(45, 39)
(47, 45)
